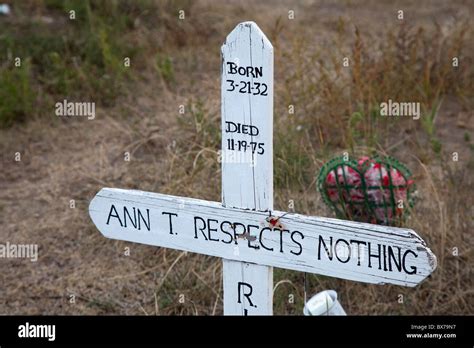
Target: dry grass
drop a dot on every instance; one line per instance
(335, 111)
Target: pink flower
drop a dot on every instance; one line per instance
(385, 190)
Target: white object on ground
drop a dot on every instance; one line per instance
(4, 9)
(324, 303)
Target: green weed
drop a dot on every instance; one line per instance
(16, 94)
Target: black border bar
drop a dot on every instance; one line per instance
(291, 330)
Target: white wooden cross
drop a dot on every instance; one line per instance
(244, 230)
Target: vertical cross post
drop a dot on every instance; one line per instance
(247, 159)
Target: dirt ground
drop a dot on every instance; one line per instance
(81, 272)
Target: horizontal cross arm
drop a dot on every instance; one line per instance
(331, 247)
